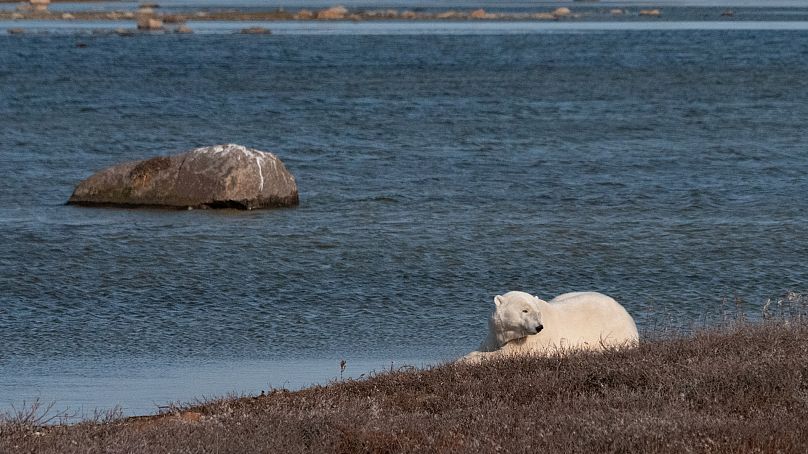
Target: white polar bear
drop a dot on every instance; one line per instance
(524, 324)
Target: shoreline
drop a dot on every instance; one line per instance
(332, 14)
(268, 16)
(729, 389)
(66, 1)
(153, 18)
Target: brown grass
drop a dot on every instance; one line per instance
(741, 388)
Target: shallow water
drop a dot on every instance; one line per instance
(663, 167)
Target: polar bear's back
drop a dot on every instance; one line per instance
(589, 320)
(591, 297)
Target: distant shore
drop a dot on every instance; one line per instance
(740, 388)
(66, 1)
(336, 13)
(150, 18)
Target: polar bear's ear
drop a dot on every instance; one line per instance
(537, 299)
(497, 300)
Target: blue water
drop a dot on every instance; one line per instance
(666, 168)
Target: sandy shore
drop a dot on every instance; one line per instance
(741, 388)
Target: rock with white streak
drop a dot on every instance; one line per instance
(220, 176)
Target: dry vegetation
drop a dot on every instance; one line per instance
(740, 388)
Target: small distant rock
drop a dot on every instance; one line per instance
(184, 29)
(478, 14)
(40, 5)
(124, 32)
(481, 14)
(68, 16)
(617, 12)
(220, 176)
(650, 12)
(562, 12)
(173, 19)
(255, 31)
(17, 16)
(333, 13)
(728, 13)
(148, 5)
(147, 20)
(372, 14)
(448, 15)
(149, 23)
(15, 31)
(304, 14)
(544, 16)
(409, 15)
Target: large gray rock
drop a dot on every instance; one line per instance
(221, 176)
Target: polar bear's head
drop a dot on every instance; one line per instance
(516, 315)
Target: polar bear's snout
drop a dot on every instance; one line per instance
(539, 328)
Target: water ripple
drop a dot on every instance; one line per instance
(665, 168)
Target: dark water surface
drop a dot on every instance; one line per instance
(665, 168)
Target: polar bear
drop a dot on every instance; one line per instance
(524, 324)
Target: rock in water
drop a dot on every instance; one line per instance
(256, 31)
(562, 12)
(335, 12)
(221, 176)
(40, 5)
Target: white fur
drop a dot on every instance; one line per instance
(572, 321)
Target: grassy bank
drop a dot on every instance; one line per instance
(741, 388)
